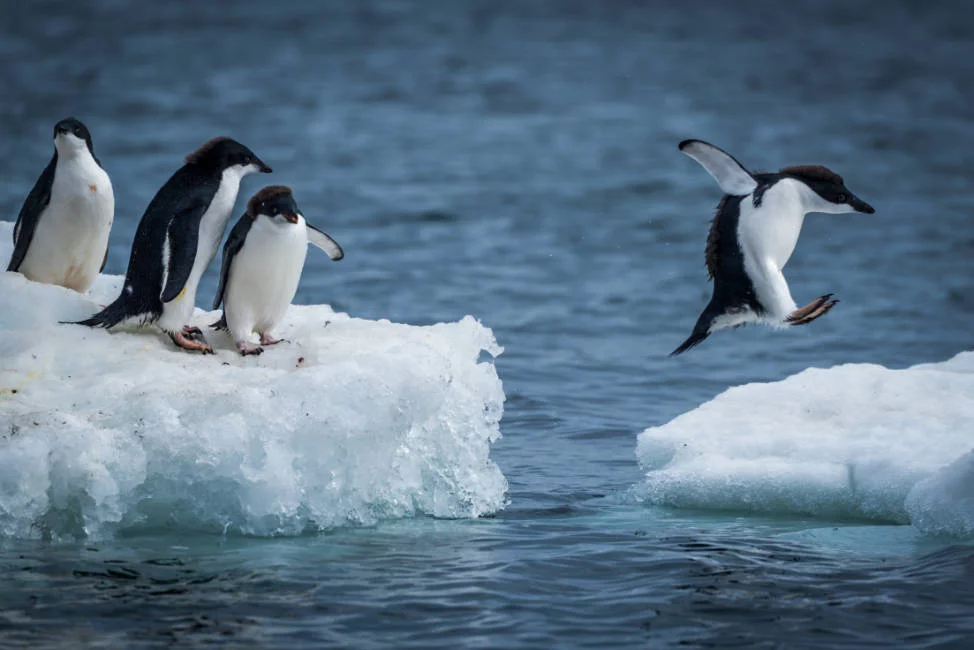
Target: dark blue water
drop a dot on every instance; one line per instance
(517, 161)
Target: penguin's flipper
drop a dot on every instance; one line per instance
(325, 243)
(182, 237)
(238, 235)
(731, 175)
(30, 214)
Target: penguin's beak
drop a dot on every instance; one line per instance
(261, 167)
(861, 206)
(293, 218)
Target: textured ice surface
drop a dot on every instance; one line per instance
(351, 422)
(944, 503)
(858, 441)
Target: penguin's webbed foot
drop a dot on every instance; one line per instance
(193, 333)
(195, 343)
(812, 311)
(248, 349)
(267, 339)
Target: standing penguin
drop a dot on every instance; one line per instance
(262, 263)
(61, 235)
(177, 239)
(753, 235)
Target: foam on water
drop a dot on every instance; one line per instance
(858, 441)
(351, 422)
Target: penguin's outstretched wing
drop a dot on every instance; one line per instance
(325, 243)
(30, 214)
(729, 174)
(234, 243)
(182, 237)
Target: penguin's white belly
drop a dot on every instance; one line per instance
(264, 277)
(770, 232)
(768, 235)
(178, 312)
(71, 236)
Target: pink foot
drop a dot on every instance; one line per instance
(193, 333)
(248, 349)
(267, 339)
(191, 343)
(813, 310)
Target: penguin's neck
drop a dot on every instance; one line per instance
(78, 158)
(73, 150)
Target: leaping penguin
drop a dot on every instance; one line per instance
(753, 235)
(61, 234)
(177, 239)
(262, 263)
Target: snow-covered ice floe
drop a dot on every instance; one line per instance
(351, 422)
(854, 441)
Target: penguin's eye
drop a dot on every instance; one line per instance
(77, 131)
(841, 198)
(246, 160)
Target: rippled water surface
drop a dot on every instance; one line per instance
(517, 162)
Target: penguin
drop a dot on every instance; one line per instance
(262, 263)
(61, 234)
(177, 239)
(753, 235)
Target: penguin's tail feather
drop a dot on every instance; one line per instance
(110, 316)
(701, 330)
(695, 339)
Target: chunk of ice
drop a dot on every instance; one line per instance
(855, 441)
(352, 422)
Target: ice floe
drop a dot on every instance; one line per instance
(350, 422)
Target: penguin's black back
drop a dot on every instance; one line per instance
(732, 285)
(733, 288)
(188, 192)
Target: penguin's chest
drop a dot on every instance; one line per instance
(71, 236)
(266, 272)
(769, 232)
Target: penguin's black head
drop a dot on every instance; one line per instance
(72, 130)
(223, 153)
(832, 194)
(275, 202)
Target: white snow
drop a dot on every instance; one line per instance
(854, 441)
(351, 422)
